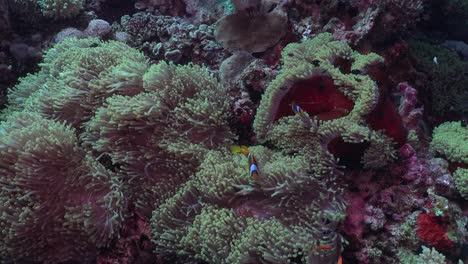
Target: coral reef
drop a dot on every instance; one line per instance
(446, 80)
(268, 27)
(53, 9)
(233, 131)
(177, 131)
(327, 80)
(171, 39)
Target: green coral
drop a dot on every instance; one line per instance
(461, 181)
(428, 255)
(451, 140)
(447, 80)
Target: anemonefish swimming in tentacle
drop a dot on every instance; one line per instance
(297, 109)
(253, 167)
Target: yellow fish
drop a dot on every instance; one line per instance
(236, 149)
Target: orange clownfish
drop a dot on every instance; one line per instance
(297, 109)
(253, 167)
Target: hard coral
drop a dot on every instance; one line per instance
(172, 39)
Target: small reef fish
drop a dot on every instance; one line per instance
(236, 149)
(324, 247)
(328, 247)
(435, 60)
(297, 109)
(253, 167)
(340, 260)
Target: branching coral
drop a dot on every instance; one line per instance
(171, 39)
(58, 203)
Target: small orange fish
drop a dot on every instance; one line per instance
(297, 109)
(340, 260)
(324, 247)
(253, 167)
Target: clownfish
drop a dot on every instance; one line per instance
(253, 169)
(297, 109)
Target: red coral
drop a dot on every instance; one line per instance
(432, 231)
